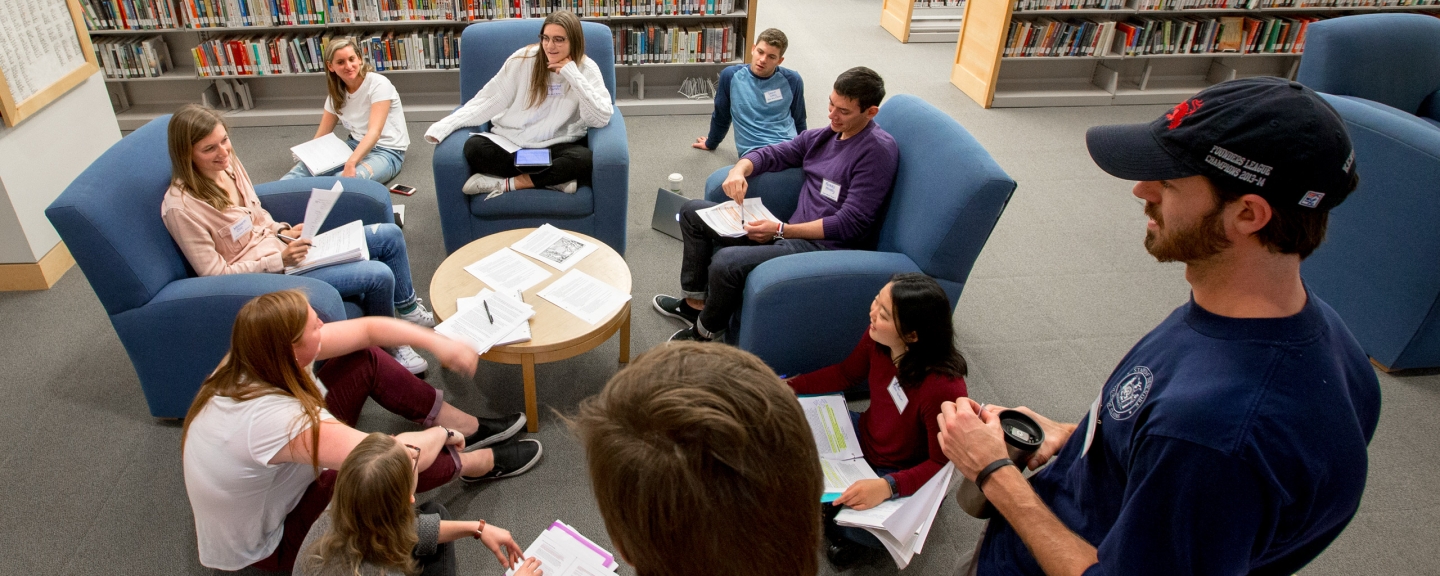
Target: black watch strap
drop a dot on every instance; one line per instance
(985, 474)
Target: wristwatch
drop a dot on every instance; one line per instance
(894, 488)
(780, 231)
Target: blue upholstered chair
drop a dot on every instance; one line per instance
(176, 326)
(807, 311)
(1379, 267)
(597, 210)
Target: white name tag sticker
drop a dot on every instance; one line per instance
(240, 228)
(772, 95)
(1090, 426)
(830, 190)
(898, 394)
(557, 89)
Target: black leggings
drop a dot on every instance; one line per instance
(567, 162)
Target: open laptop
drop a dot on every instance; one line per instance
(667, 212)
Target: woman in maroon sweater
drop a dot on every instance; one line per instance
(909, 361)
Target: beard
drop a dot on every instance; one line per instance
(1201, 241)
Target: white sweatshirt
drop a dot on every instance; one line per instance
(577, 100)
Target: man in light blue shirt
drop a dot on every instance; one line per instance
(766, 107)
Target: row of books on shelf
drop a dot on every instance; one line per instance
(133, 57)
(200, 14)
(300, 54)
(939, 3)
(674, 44)
(1152, 36)
(1146, 5)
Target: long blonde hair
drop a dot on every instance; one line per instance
(540, 74)
(371, 518)
(262, 361)
(333, 83)
(189, 125)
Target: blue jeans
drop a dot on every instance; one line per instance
(383, 281)
(860, 535)
(380, 165)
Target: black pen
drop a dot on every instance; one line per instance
(486, 303)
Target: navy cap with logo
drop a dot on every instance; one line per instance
(1266, 136)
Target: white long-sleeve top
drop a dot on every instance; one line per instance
(577, 100)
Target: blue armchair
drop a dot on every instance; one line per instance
(597, 210)
(806, 311)
(1379, 267)
(175, 326)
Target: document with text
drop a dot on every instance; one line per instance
(322, 154)
(728, 219)
(902, 524)
(520, 334)
(555, 247)
(582, 295)
(338, 246)
(481, 327)
(507, 269)
(841, 460)
(563, 551)
(318, 208)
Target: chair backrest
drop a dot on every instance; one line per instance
(484, 46)
(1393, 59)
(109, 218)
(948, 191)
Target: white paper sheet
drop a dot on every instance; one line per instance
(726, 219)
(830, 422)
(506, 269)
(520, 334)
(322, 154)
(499, 140)
(563, 552)
(582, 295)
(318, 208)
(337, 246)
(840, 474)
(903, 525)
(555, 247)
(473, 326)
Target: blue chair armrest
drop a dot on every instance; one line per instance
(178, 338)
(780, 190)
(365, 200)
(451, 171)
(610, 153)
(784, 297)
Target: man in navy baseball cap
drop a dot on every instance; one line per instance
(1232, 438)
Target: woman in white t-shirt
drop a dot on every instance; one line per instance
(546, 95)
(367, 105)
(263, 426)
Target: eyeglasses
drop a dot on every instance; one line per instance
(416, 457)
(555, 39)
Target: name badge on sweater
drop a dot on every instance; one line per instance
(772, 95)
(830, 190)
(898, 394)
(556, 89)
(240, 228)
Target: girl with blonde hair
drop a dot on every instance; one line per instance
(366, 104)
(373, 527)
(213, 214)
(546, 95)
(265, 426)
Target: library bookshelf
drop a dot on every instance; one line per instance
(922, 20)
(994, 67)
(429, 90)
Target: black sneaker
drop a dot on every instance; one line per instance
(675, 308)
(692, 334)
(495, 431)
(846, 555)
(512, 459)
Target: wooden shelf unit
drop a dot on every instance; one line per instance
(428, 95)
(909, 23)
(982, 71)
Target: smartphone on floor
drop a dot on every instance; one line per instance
(402, 189)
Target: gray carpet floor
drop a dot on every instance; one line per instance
(1063, 288)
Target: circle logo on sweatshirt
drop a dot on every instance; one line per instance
(1129, 394)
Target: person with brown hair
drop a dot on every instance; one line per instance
(264, 424)
(367, 105)
(703, 464)
(546, 95)
(373, 527)
(213, 214)
(765, 102)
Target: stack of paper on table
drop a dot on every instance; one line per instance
(582, 295)
(338, 246)
(726, 219)
(487, 322)
(506, 270)
(521, 334)
(554, 246)
(902, 524)
(563, 551)
(840, 456)
(322, 154)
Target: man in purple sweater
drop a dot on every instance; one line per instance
(849, 168)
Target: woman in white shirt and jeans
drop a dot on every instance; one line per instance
(367, 105)
(546, 95)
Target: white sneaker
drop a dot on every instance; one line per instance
(568, 187)
(412, 362)
(419, 316)
(482, 184)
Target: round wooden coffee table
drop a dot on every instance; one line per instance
(555, 333)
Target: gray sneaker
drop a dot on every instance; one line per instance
(412, 362)
(484, 184)
(419, 316)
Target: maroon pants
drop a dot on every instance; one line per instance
(349, 380)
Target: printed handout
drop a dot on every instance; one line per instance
(322, 154)
(726, 219)
(582, 295)
(554, 246)
(481, 327)
(520, 334)
(338, 246)
(506, 269)
(318, 208)
(565, 552)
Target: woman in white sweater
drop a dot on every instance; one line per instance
(546, 95)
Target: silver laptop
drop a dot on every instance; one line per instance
(667, 212)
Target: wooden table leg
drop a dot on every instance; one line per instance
(532, 411)
(625, 338)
